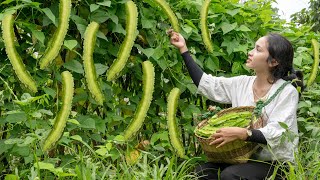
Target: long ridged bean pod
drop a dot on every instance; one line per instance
(15, 59)
(204, 27)
(174, 134)
(56, 41)
(144, 104)
(64, 112)
(172, 17)
(88, 63)
(126, 46)
(315, 66)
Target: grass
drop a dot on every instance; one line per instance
(307, 162)
(156, 168)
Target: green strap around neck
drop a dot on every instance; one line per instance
(260, 104)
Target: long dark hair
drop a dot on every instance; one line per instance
(281, 50)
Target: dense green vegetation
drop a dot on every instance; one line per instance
(92, 145)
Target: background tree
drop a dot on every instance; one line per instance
(309, 16)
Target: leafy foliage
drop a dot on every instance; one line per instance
(92, 142)
(309, 16)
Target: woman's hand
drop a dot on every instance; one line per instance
(177, 40)
(229, 134)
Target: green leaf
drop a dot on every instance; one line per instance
(315, 109)
(302, 49)
(96, 137)
(231, 45)
(70, 44)
(283, 125)
(119, 29)
(192, 88)
(94, 7)
(265, 15)
(49, 166)
(297, 61)
(101, 35)
(4, 147)
(35, 4)
(162, 136)
(241, 48)
(227, 27)
(190, 23)
(109, 146)
(50, 15)
(157, 56)
(50, 91)
(21, 151)
(11, 177)
(212, 64)
(100, 68)
(14, 141)
(187, 29)
(147, 23)
(73, 121)
(80, 23)
(307, 104)
(233, 12)
(236, 68)
(17, 117)
(7, 2)
(99, 16)
(114, 154)
(81, 28)
(114, 18)
(87, 123)
(44, 165)
(26, 97)
(243, 28)
(159, 147)
(190, 110)
(158, 53)
(76, 137)
(74, 65)
(102, 151)
(36, 115)
(160, 102)
(81, 95)
(100, 125)
(119, 138)
(105, 3)
(148, 52)
(44, 111)
(28, 140)
(39, 35)
(162, 63)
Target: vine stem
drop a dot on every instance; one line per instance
(5, 82)
(173, 76)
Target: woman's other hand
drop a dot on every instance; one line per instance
(228, 134)
(177, 40)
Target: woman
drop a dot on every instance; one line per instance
(271, 59)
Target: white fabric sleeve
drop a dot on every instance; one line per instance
(284, 111)
(217, 89)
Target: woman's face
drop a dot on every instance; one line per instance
(257, 57)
